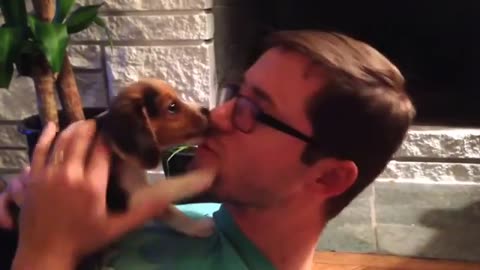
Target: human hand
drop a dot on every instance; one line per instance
(64, 215)
(13, 193)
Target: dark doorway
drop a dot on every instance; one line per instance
(434, 43)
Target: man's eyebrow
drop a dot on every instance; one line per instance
(259, 93)
(262, 95)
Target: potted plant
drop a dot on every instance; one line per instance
(35, 45)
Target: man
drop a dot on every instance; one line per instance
(314, 121)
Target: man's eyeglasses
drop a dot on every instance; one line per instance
(247, 113)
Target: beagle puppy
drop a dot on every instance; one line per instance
(145, 119)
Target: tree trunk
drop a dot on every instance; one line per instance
(41, 72)
(44, 9)
(68, 92)
(44, 85)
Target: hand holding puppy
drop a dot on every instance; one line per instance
(64, 214)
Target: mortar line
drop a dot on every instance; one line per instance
(465, 160)
(149, 43)
(146, 12)
(12, 148)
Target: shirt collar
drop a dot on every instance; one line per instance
(247, 250)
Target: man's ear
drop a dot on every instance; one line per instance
(331, 177)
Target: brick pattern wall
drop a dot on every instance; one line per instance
(167, 39)
(426, 203)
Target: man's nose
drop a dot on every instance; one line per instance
(221, 116)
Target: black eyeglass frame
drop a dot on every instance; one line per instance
(261, 116)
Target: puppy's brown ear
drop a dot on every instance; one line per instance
(150, 98)
(127, 132)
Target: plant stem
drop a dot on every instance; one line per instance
(44, 81)
(44, 9)
(68, 94)
(42, 74)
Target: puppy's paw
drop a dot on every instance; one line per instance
(203, 227)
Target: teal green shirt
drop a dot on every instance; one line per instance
(156, 247)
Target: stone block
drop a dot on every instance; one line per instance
(429, 242)
(442, 206)
(152, 4)
(352, 229)
(190, 68)
(85, 56)
(19, 101)
(348, 237)
(10, 137)
(431, 171)
(92, 88)
(13, 159)
(197, 26)
(441, 142)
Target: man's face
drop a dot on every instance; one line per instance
(263, 167)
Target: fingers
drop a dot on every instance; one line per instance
(16, 191)
(67, 158)
(98, 166)
(40, 154)
(5, 218)
(80, 142)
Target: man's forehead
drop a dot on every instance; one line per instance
(279, 70)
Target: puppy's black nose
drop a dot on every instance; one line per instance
(205, 111)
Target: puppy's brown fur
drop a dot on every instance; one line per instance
(144, 120)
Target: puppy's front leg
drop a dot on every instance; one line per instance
(166, 192)
(175, 188)
(182, 223)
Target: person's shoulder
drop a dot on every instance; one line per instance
(156, 246)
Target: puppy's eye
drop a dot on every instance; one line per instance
(173, 108)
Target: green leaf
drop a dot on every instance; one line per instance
(81, 18)
(51, 39)
(101, 22)
(9, 46)
(62, 8)
(14, 12)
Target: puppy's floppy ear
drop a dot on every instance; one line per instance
(150, 97)
(127, 131)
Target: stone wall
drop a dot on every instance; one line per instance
(426, 203)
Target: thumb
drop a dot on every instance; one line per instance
(119, 224)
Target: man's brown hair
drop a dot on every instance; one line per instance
(362, 114)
